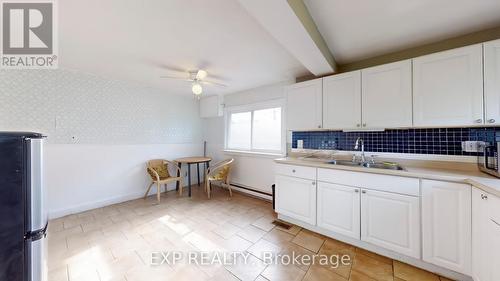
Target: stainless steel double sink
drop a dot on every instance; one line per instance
(374, 165)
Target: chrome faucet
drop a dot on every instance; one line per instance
(359, 141)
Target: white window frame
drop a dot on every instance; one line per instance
(252, 107)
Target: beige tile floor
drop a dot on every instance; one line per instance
(115, 243)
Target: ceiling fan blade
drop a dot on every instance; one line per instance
(177, 78)
(213, 83)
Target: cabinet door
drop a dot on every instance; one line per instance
(493, 271)
(492, 245)
(492, 82)
(296, 198)
(386, 95)
(446, 225)
(391, 221)
(448, 88)
(342, 101)
(304, 105)
(338, 208)
(479, 237)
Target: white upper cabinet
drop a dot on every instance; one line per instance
(342, 101)
(387, 95)
(492, 82)
(304, 105)
(446, 225)
(448, 88)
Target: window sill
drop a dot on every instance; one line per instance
(253, 153)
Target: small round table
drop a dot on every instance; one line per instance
(189, 161)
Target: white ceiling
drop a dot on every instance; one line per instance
(140, 40)
(359, 29)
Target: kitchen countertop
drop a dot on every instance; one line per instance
(433, 170)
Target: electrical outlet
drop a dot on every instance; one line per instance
(470, 146)
(300, 144)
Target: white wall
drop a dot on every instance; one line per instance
(99, 132)
(82, 177)
(254, 171)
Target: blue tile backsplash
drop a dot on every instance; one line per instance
(444, 141)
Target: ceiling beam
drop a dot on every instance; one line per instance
(291, 24)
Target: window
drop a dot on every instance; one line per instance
(255, 128)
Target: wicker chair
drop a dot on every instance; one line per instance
(220, 173)
(158, 171)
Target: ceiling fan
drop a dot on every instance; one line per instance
(197, 78)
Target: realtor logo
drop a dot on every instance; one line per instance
(28, 35)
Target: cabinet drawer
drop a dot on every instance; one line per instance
(395, 184)
(296, 171)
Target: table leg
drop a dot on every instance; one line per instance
(198, 167)
(178, 175)
(205, 172)
(207, 165)
(189, 179)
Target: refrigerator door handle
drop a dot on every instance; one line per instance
(36, 234)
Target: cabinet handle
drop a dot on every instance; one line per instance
(319, 126)
(313, 183)
(364, 124)
(356, 190)
(491, 121)
(363, 191)
(479, 120)
(484, 197)
(358, 125)
(495, 222)
(293, 171)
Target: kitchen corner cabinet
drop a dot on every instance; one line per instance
(391, 221)
(342, 101)
(448, 88)
(486, 236)
(492, 82)
(387, 95)
(339, 209)
(446, 225)
(304, 105)
(296, 198)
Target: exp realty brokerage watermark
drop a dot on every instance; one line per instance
(28, 34)
(206, 258)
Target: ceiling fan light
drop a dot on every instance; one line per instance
(197, 89)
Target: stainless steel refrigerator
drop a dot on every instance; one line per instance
(23, 213)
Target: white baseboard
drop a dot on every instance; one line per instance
(54, 214)
(93, 205)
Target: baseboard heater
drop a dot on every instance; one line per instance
(251, 189)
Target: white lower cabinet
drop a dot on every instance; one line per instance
(339, 209)
(391, 221)
(494, 250)
(486, 236)
(447, 225)
(296, 198)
